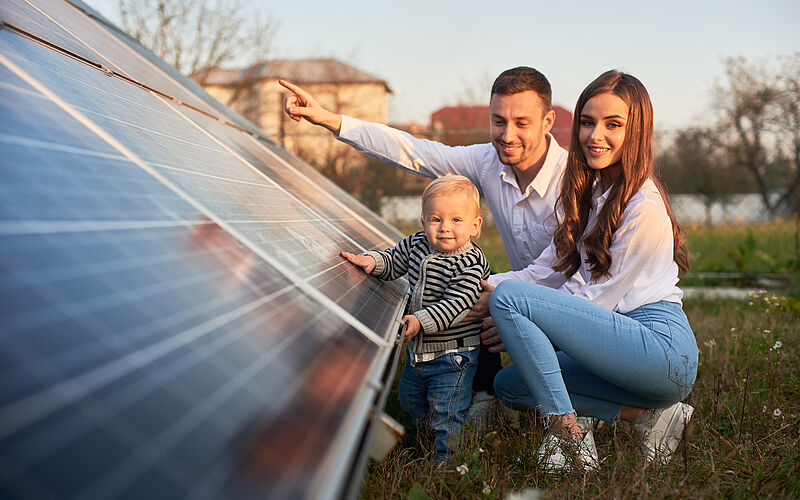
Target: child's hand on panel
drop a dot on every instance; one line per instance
(365, 262)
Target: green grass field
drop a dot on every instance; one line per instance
(744, 438)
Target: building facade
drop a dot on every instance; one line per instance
(255, 93)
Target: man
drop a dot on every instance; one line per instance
(518, 173)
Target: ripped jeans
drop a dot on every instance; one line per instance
(570, 354)
(437, 394)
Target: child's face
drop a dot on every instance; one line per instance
(449, 221)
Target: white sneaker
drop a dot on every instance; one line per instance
(661, 436)
(557, 453)
(588, 424)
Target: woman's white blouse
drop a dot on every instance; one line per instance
(642, 269)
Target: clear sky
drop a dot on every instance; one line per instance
(439, 52)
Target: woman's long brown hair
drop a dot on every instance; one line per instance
(575, 198)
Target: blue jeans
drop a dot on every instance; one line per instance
(570, 354)
(438, 393)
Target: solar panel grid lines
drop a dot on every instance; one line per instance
(313, 177)
(117, 56)
(38, 405)
(224, 114)
(150, 344)
(249, 163)
(157, 446)
(388, 239)
(90, 124)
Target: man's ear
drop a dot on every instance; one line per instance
(548, 121)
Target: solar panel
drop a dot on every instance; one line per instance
(176, 320)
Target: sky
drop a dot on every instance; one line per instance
(437, 53)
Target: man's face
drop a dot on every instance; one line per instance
(519, 124)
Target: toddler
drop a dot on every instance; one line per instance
(444, 269)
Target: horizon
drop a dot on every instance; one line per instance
(460, 50)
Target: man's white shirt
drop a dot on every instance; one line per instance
(525, 221)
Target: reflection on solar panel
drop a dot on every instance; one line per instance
(176, 320)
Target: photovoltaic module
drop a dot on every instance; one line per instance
(176, 319)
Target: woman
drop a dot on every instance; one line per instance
(617, 345)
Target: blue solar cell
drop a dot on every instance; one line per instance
(176, 318)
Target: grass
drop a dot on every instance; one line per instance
(743, 440)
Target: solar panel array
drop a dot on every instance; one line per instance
(176, 319)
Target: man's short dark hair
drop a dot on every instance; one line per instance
(520, 79)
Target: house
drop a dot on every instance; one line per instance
(254, 93)
(461, 125)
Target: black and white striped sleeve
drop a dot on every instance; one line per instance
(392, 263)
(461, 293)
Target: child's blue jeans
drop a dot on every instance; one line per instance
(570, 354)
(437, 394)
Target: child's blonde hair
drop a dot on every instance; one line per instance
(452, 184)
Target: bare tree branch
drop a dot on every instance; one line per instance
(757, 127)
(199, 36)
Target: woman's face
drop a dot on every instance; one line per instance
(602, 133)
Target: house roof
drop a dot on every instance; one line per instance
(460, 118)
(301, 71)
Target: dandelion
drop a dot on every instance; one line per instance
(778, 345)
(463, 469)
(776, 413)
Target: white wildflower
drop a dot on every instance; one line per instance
(486, 488)
(764, 409)
(776, 413)
(463, 469)
(710, 344)
(778, 345)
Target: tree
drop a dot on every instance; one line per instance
(697, 163)
(789, 124)
(199, 36)
(759, 126)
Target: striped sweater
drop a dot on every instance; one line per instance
(444, 287)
